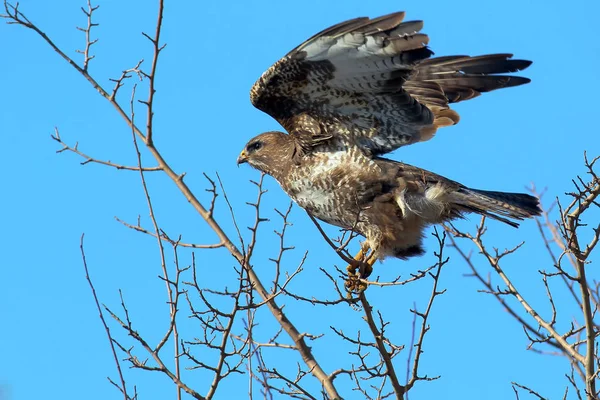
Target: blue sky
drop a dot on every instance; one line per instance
(53, 345)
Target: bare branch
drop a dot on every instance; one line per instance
(151, 77)
(89, 159)
(122, 386)
(529, 390)
(425, 315)
(87, 30)
(380, 341)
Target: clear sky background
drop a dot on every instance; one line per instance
(52, 344)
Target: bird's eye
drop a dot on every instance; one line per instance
(254, 146)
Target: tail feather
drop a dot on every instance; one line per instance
(499, 205)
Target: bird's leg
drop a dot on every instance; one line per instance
(359, 257)
(366, 266)
(365, 258)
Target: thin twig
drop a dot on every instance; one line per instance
(122, 386)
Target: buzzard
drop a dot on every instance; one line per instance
(358, 90)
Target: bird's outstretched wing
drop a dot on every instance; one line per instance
(373, 79)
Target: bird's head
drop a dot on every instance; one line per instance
(269, 152)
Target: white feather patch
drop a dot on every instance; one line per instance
(429, 206)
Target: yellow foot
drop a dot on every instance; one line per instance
(365, 261)
(354, 285)
(351, 268)
(366, 267)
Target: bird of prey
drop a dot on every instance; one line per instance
(358, 90)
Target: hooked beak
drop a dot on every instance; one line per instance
(242, 158)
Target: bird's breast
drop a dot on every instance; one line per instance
(329, 185)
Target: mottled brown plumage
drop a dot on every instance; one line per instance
(358, 90)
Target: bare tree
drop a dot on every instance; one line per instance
(224, 339)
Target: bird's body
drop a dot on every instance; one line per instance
(356, 91)
(388, 202)
(345, 188)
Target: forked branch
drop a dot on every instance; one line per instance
(14, 16)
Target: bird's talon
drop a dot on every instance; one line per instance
(351, 269)
(354, 284)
